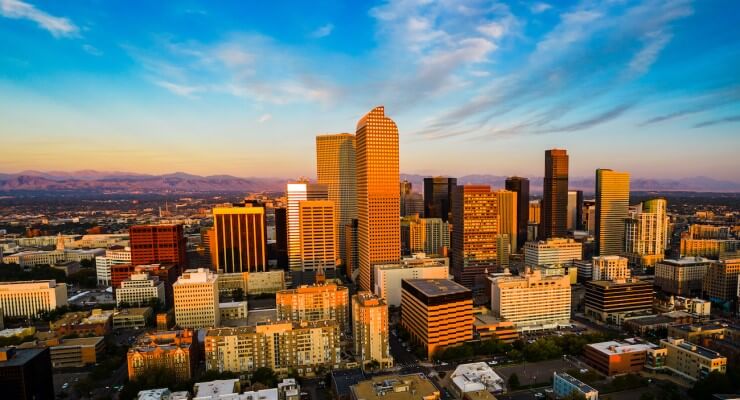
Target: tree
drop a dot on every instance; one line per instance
(715, 382)
(266, 376)
(514, 381)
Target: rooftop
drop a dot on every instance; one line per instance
(153, 394)
(575, 382)
(477, 376)
(214, 389)
(702, 351)
(84, 341)
(395, 387)
(20, 356)
(437, 287)
(686, 261)
(628, 346)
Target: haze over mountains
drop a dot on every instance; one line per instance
(180, 182)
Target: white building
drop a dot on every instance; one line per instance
(475, 377)
(196, 299)
(531, 301)
(29, 298)
(552, 252)
(51, 257)
(139, 289)
(388, 277)
(610, 268)
(112, 257)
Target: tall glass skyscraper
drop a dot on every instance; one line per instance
(554, 218)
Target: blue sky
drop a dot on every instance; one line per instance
(242, 88)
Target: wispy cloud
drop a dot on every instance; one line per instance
(718, 121)
(698, 104)
(178, 89)
(323, 31)
(57, 26)
(264, 118)
(539, 7)
(92, 50)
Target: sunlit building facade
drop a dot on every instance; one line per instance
(298, 193)
(239, 238)
(370, 329)
(612, 205)
(554, 219)
(474, 230)
(646, 233)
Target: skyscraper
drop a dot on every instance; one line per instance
(474, 230)
(521, 187)
(412, 203)
(239, 243)
(646, 233)
(575, 210)
(155, 244)
(555, 195)
(507, 216)
(612, 206)
(335, 168)
(438, 196)
(298, 192)
(378, 199)
(318, 239)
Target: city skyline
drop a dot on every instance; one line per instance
(486, 88)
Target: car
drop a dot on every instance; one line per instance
(583, 370)
(66, 385)
(539, 395)
(493, 362)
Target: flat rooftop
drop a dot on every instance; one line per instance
(437, 287)
(84, 341)
(395, 387)
(575, 382)
(613, 347)
(21, 357)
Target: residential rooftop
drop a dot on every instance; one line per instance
(584, 388)
(395, 387)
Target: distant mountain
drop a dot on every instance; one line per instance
(182, 182)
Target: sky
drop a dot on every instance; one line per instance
(475, 87)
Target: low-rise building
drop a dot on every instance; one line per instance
(487, 327)
(83, 323)
(132, 318)
(29, 298)
(139, 289)
(265, 282)
(395, 387)
(113, 256)
(196, 299)
(610, 302)
(318, 302)
(281, 346)
(681, 277)
(172, 350)
(475, 377)
(77, 352)
(610, 268)
(614, 358)
(691, 361)
(233, 311)
(564, 385)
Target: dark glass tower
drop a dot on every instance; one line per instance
(554, 221)
(438, 196)
(521, 187)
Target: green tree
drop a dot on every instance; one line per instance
(514, 381)
(266, 376)
(715, 382)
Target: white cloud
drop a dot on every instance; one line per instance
(178, 89)
(323, 31)
(92, 50)
(644, 59)
(539, 7)
(494, 30)
(264, 118)
(57, 26)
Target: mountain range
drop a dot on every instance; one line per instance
(180, 182)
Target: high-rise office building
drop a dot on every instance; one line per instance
(239, 240)
(474, 230)
(575, 210)
(521, 187)
(424, 235)
(554, 220)
(646, 233)
(281, 237)
(350, 249)
(531, 300)
(297, 193)
(378, 200)
(610, 302)
(612, 206)
(153, 244)
(370, 329)
(196, 299)
(507, 216)
(317, 241)
(436, 312)
(412, 203)
(721, 281)
(438, 197)
(335, 168)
